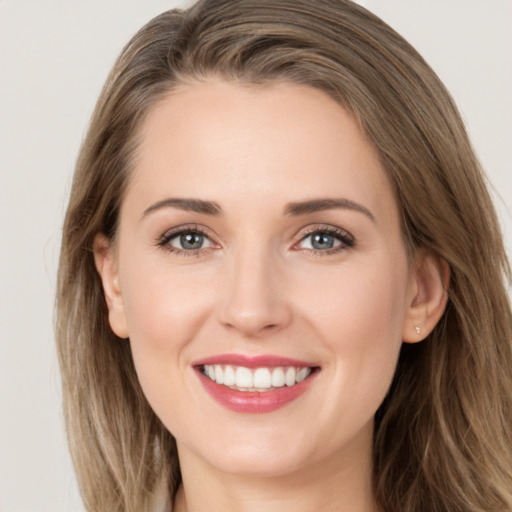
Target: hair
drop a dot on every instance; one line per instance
(443, 436)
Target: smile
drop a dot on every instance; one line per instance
(255, 384)
(259, 379)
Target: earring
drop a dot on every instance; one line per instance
(418, 330)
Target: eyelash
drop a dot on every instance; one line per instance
(194, 229)
(346, 240)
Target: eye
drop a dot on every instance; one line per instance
(185, 241)
(320, 241)
(189, 241)
(327, 240)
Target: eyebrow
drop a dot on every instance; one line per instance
(187, 204)
(317, 205)
(294, 209)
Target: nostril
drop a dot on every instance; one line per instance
(264, 328)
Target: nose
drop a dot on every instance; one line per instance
(255, 302)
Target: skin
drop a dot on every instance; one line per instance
(258, 287)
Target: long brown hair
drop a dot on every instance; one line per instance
(443, 436)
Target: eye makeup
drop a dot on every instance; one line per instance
(193, 240)
(323, 240)
(318, 240)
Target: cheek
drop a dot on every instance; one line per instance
(358, 317)
(164, 310)
(163, 306)
(366, 301)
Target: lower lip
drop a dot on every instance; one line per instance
(254, 401)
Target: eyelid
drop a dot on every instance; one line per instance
(346, 239)
(167, 236)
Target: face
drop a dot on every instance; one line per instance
(261, 276)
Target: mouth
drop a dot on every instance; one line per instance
(262, 379)
(255, 385)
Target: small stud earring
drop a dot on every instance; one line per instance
(418, 330)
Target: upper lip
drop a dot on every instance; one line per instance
(266, 360)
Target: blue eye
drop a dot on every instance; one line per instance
(189, 241)
(185, 241)
(322, 241)
(326, 240)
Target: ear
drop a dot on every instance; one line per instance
(107, 267)
(427, 296)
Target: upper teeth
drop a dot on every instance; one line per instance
(255, 379)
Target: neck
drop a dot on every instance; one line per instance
(340, 483)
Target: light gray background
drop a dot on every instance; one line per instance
(54, 57)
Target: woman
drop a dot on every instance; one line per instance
(281, 282)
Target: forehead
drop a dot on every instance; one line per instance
(281, 142)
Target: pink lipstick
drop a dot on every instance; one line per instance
(254, 384)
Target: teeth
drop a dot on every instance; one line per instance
(243, 377)
(257, 379)
(278, 380)
(289, 376)
(219, 375)
(262, 378)
(302, 374)
(229, 376)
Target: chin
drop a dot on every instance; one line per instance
(260, 462)
(250, 451)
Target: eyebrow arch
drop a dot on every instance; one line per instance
(187, 204)
(317, 205)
